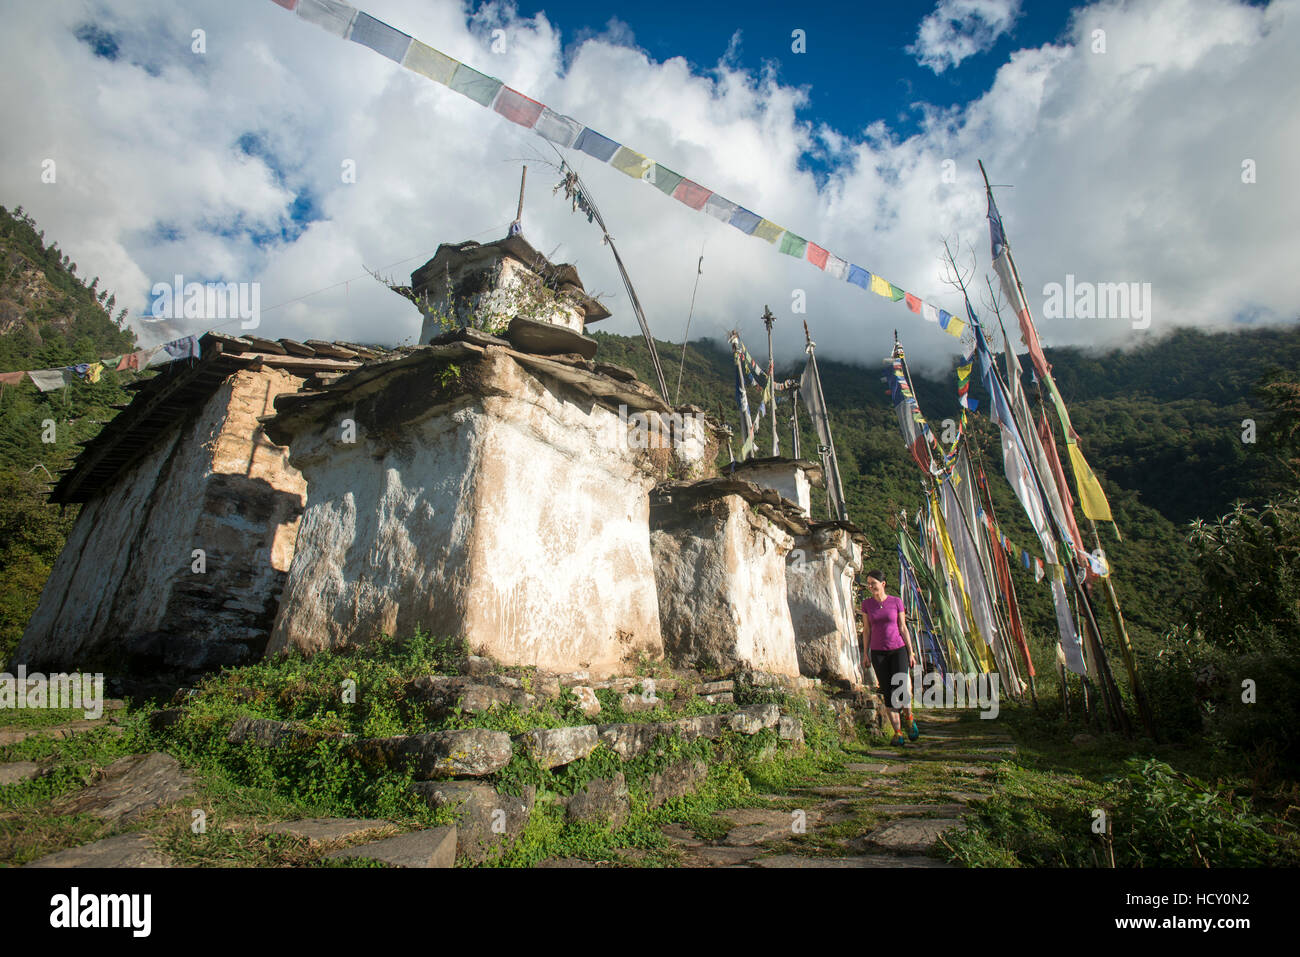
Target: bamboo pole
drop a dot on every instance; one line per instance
(768, 320)
(1109, 690)
(740, 371)
(1126, 648)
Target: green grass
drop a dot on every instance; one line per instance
(1051, 804)
(238, 787)
(14, 719)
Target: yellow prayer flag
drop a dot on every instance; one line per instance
(1091, 498)
(427, 61)
(92, 373)
(766, 229)
(963, 372)
(955, 327)
(881, 287)
(631, 162)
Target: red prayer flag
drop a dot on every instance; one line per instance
(817, 255)
(517, 108)
(912, 303)
(11, 378)
(287, 4)
(131, 361)
(692, 194)
(1063, 489)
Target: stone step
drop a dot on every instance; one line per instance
(431, 847)
(326, 830)
(869, 860)
(16, 771)
(125, 850)
(721, 856)
(129, 788)
(912, 834)
(917, 810)
(58, 732)
(876, 768)
(762, 825)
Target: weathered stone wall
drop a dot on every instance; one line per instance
(720, 570)
(248, 527)
(515, 515)
(122, 593)
(820, 571)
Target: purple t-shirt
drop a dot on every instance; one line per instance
(883, 616)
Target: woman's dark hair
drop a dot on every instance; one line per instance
(877, 575)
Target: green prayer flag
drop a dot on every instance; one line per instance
(793, 245)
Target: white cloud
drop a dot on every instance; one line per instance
(1126, 167)
(958, 29)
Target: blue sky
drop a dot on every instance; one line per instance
(856, 68)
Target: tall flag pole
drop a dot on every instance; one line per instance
(810, 386)
(1092, 500)
(742, 398)
(1021, 472)
(768, 319)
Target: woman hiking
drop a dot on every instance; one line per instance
(885, 636)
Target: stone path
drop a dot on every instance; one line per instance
(890, 810)
(15, 734)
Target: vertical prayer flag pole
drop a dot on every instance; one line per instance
(740, 380)
(1126, 647)
(1091, 635)
(575, 189)
(834, 488)
(518, 225)
(699, 271)
(794, 421)
(1092, 498)
(768, 319)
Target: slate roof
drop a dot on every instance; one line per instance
(183, 386)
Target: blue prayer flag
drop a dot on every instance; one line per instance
(745, 221)
(379, 36)
(593, 144)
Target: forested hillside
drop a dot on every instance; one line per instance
(49, 318)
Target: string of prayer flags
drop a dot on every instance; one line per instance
(48, 380)
(343, 20)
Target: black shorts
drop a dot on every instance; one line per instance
(889, 666)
